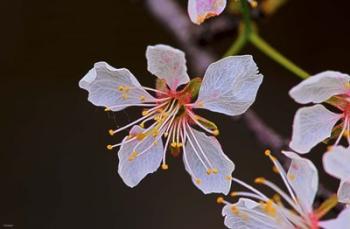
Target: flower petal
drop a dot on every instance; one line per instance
(247, 213)
(311, 126)
(167, 63)
(344, 191)
(132, 168)
(229, 85)
(341, 222)
(336, 162)
(303, 177)
(200, 10)
(216, 182)
(105, 85)
(320, 87)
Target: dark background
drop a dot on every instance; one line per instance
(55, 170)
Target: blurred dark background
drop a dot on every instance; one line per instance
(55, 169)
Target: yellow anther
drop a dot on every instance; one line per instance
(133, 155)
(107, 109)
(166, 134)
(291, 177)
(269, 208)
(156, 118)
(346, 133)
(155, 133)
(260, 180)
(142, 125)
(155, 142)
(216, 132)
(111, 132)
(109, 147)
(145, 112)
(121, 88)
(198, 181)
(275, 169)
(209, 171)
(142, 98)
(179, 144)
(229, 178)
(233, 194)
(126, 89)
(276, 198)
(220, 200)
(215, 171)
(173, 144)
(253, 3)
(329, 148)
(234, 210)
(125, 96)
(140, 136)
(165, 166)
(267, 153)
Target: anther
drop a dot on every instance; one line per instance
(142, 98)
(132, 156)
(107, 109)
(215, 171)
(233, 194)
(111, 132)
(179, 144)
(173, 144)
(209, 171)
(220, 200)
(165, 166)
(260, 180)
(229, 178)
(253, 3)
(109, 147)
(216, 132)
(145, 112)
(267, 153)
(121, 88)
(198, 181)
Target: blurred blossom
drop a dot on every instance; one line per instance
(287, 210)
(336, 162)
(314, 124)
(229, 86)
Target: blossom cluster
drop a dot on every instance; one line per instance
(169, 124)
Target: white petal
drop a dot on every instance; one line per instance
(230, 85)
(344, 191)
(167, 63)
(320, 87)
(311, 126)
(303, 177)
(213, 183)
(336, 162)
(341, 222)
(133, 171)
(102, 83)
(255, 219)
(199, 10)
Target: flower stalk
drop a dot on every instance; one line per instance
(248, 34)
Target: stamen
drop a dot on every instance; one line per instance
(155, 90)
(342, 132)
(326, 206)
(251, 188)
(194, 118)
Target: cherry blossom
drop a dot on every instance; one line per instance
(314, 124)
(229, 86)
(285, 210)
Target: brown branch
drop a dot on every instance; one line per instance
(176, 21)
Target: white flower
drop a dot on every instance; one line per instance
(316, 123)
(200, 10)
(336, 162)
(229, 86)
(254, 210)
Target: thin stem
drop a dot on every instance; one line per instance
(239, 43)
(258, 42)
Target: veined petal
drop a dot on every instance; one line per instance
(112, 88)
(341, 222)
(247, 213)
(320, 87)
(344, 191)
(200, 10)
(303, 177)
(135, 165)
(336, 162)
(311, 126)
(221, 167)
(229, 85)
(167, 63)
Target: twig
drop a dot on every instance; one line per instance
(176, 21)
